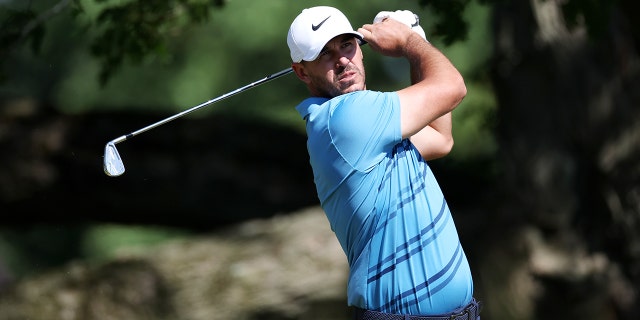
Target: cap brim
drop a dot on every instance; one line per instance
(358, 36)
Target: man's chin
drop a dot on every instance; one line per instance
(350, 87)
(353, 88)
(346, 89)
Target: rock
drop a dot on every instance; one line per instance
(285, 267)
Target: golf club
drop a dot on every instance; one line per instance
(113, 165)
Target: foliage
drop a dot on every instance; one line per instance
(451, 24)
(138, 28)
(132, 29)
(135, 29)
(16, 26)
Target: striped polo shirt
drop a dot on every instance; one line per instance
(385, 207)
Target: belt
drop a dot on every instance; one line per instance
(470, 312)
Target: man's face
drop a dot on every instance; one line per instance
(337, 70)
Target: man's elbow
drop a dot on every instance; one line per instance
(453, 90)
(447, 146)
(459, 91)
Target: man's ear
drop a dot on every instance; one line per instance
(299, 70)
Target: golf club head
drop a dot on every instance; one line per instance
(113, 165)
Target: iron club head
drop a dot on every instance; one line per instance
(113, 165)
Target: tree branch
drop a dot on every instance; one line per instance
(43, 17)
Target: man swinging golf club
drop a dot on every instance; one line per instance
(369, 153)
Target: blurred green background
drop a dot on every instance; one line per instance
(542, 180)
(240, 43)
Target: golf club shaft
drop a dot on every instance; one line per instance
(224, 96)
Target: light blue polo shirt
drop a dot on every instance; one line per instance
(385, 207)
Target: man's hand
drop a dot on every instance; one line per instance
(405, 16)
(390, 37)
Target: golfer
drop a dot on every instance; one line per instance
(369, 152)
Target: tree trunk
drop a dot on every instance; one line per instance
(568, 133)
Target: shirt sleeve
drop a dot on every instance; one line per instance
(364, 126)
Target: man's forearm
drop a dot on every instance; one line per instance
(435, 140)
(425, 60)
(442, 125)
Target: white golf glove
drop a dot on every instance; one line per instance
(405, 16)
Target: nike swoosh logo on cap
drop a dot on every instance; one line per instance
(315, 27)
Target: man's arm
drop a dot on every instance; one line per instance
(437, 86)
(435, 140)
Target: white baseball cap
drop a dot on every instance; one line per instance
(313, 28)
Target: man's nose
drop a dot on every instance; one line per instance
(342, 61)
